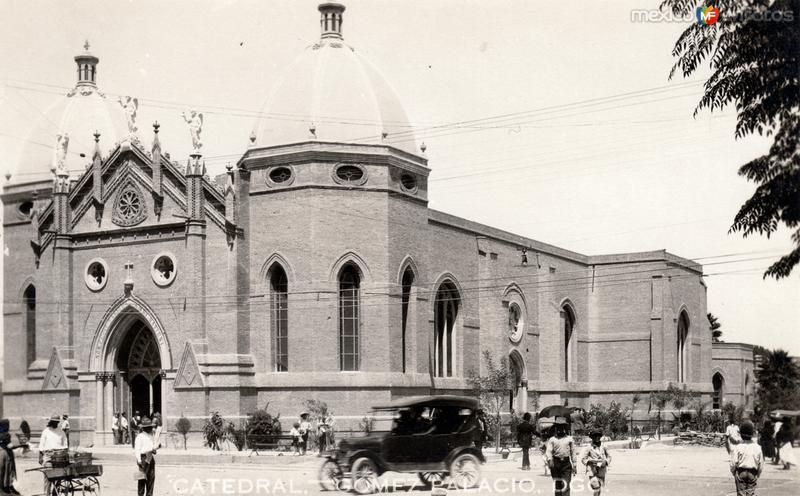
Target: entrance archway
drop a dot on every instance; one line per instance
(518, 397)
(718, 382)
(138, 363)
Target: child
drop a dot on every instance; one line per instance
(597, 459)
(746, 461)
(297, 438)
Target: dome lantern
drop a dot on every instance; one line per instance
(331, 20)
(87, 67)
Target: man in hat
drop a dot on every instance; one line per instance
(747, 461)
(597, 459)
(560, 457)
(305, 429)
(52, 438)
(134, 426)
(115, 428)
(525, 439)
(144, 449)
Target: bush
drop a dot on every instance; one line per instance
(214, 431)
(366, 424)
(183, 426)
(612, 420)
(262, 427)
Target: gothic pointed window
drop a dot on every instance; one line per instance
(408, 280)
(279, 303)
(349, 314)
(446, 308)
(29, 302)
(682, 350)
(568, 329)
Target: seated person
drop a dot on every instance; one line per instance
(403, 424)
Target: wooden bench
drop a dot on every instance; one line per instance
(273, 442)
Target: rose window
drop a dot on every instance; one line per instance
(129, 208)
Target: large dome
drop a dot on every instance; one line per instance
(331, 93)
(78, 115)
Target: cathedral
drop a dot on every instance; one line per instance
(134, 281)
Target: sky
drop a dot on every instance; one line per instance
(599, 152)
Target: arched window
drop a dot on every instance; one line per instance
(29, 304)
(718, 382)
(349, 285)
(568, 328)
(408, 280)
(446, 313)
(279, 301)
(683, 334)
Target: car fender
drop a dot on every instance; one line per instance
(464, 449)
(365, 453)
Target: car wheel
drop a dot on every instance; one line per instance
(330, 476)
(465, 471)
(364, 475)
(430, 479)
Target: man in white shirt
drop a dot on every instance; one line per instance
(732, 435)
(144, 449)
(115, 428)
(52, 438)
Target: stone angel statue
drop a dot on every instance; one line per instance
(130, 106)
(195, 121)
(62, 144)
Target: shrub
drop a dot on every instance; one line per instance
(262, 427)
(214, 431)
(366, 424)
(612, 420)
(183, 426)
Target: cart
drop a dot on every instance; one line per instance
(73, 479)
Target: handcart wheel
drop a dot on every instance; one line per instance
(91, 487)
(62, 488)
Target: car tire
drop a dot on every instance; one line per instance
(465, 471)
(330, 476)
(429, 479)
(364, 476)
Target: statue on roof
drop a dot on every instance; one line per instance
(62, 144)
(195, 121)
(130, 106)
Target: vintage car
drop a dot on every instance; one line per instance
(433, 436)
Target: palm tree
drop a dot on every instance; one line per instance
(713, 321)
(778, 379)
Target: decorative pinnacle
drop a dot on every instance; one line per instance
(156, 125)
(423, 147)
(253, 137)
(86, 45)
(96, 136)
(229, 167)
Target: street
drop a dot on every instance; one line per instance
(663, 470)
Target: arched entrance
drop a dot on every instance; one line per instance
(130, 357)
(518, 397)
(719, 384)
(138, 362)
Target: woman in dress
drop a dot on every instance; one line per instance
(784, 442)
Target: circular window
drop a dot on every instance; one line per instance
(516, 322)
(164, 269)
(280, 175)
(25, 208)
(96, 274)
(350, 174)
(408, 182)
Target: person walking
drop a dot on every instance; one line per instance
(596, 458)
(746, 462)
(8, 465)
(144, 449)
(483, 433)
(525, 433)
(297, 438)
(560, 457)
(766, 440)
(65, 426)
(784, 442)
(52, 438)
(732, 436)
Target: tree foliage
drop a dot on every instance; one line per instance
(754, 56)
(714, 325)
(492, 388)
(778, 380)
(183, 426)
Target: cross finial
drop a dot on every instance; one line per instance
(86, 45)
(96, 136)
(156, 125)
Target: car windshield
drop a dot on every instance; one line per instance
(421, 420)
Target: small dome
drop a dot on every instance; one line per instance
(331, 93)
(77, 115)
